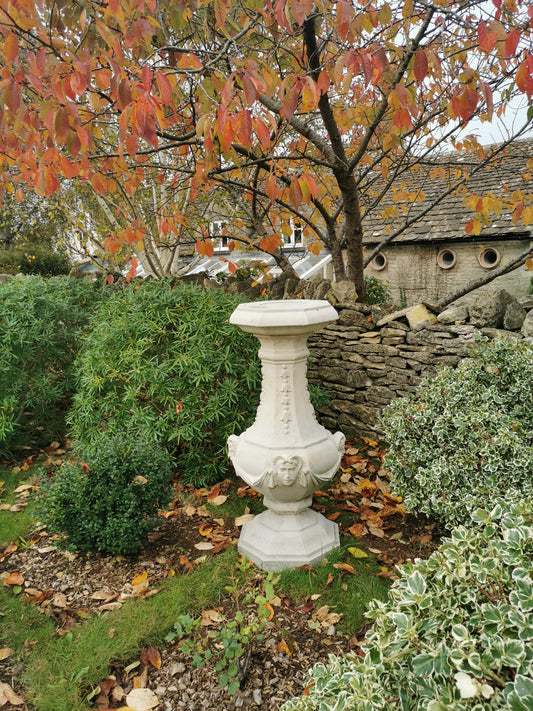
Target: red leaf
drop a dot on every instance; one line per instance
(487, 40)
(344, 16)
(421, 65)
(487, 93)
(271, 188)
(78, 82)
(511, 42)
(263, 133)
(164, 86)
(132, 145)
(232, 268)
(146, 78)
(295, 192)
(290, 103)
(250, 91)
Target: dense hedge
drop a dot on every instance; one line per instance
(466, 436)
(41, 322)
(162, 357)
(108, 498)
(456, 633)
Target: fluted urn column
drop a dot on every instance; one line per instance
(286, 454)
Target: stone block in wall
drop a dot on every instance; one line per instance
(393, 377)
(358, 379)
(514, 317)
(487, 309)
(392, 341)
(377, 348)
(367, 414)
(350, 317)
(499, 333)
(388, 332)
(450, 360)
(322, 289)
(453, 314)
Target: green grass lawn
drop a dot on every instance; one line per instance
(59, 672)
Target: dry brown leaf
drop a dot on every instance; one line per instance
(110, 606)
(150, 655)
(22, 487)
(142, 700)
(218, 500)
(190, 510)
(60, 600)
(18, 507)
(375, 530)
(5, 652)
(204, 546)
(346, 567)
(103, 595)
(241, 520)
(211, 617)
(14, 579)
(8, 696)
(205, 529)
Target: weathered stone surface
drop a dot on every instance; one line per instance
(388, 332)
(487, 310)
(418, 316)
(342, 292)
(526, 302)
(453, 314)
(500, 333)
(392, 316)
(350, 317)
(322, 289)
(514, 317)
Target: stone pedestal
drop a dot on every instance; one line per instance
(286, 454)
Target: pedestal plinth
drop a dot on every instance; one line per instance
(286, 454)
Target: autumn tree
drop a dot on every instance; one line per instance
(308, 110)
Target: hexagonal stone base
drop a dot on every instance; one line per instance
(278, 541)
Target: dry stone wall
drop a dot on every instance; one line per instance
(375, 354)
(364, 365)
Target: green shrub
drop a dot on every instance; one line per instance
(456, 633)
(165, 359)
(107, 500)
(376, 291)
(466, 436)
(41, 322)
(34, 259)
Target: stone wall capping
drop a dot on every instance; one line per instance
(500, 333)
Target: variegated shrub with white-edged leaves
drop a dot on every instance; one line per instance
(456, 633)
(466, 436)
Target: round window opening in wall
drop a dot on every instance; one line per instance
(379, 262)
(489, 258)
(446, 258)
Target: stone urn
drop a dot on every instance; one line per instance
(286, 454)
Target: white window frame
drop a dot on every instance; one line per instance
(220, 241)
(295, 239)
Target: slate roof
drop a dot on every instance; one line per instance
(446, 221)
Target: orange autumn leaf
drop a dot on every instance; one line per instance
(14, 579)
(139, 578)
(346, 567)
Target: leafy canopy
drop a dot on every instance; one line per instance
(308, 109)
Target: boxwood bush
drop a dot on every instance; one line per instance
(466, 436)
(456, 633)
(41, 321)
(108, 498)
(163, 358)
